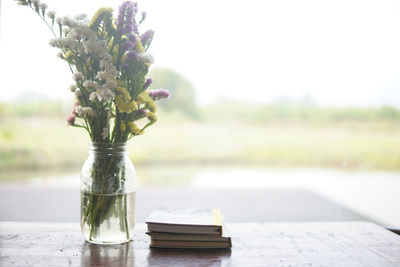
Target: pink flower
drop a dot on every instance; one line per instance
(71, 119)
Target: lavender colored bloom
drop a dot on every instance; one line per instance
(144, 15)
(147, 83)
(124, 66)
(126, 18)
(159, 94)
(146, 38)
(132, 37)
(127, 45)
(131, 55)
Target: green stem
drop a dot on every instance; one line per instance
(126, 216)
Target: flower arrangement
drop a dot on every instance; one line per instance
(109, 62)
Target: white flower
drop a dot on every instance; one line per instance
(55, 43)
(58, 20)
(67, 21)
(88, 84)
(78, 92)
(77, 76)
(101, 95)
(108, 95)
(43, 6)
(81, 17)
(109, 67)
(85, 111)
(72, 87)
(35, 1)
(145, 58)
(102, 75)
(93, 96)
(104, 133)
(111, 83)
(51, 14)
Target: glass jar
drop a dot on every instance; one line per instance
(108, 195)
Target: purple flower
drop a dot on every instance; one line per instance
(159, 94)
(131, 55)
(126, 18)
(147, 83)
(127, 45)
(146, 38)
(144, 15)
(132, 37)
(124, 66)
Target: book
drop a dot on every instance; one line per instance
(190, 244)
(187, 237)
(185, 221)
(188, 229)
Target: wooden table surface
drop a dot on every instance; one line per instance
(254, 244)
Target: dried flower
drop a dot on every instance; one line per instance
(85, 111)
(134, 128)
(146, 38)
(151, 116)
(51, 14)
(126, 22)
(145, 58)
(147, 83)
(159, 94)
(72, 87)
(78, 92)
(71, 119)
(77, 76)
(104, 133)
(109, 60)
(127, 45)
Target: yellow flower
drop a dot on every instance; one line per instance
(134, 105)
(152, 106)
(101, 14)
(122, 126)
(123, 101)
(115, 49)
(114, 59)
(123, 58)
(134, 128)
(151, 116)
(143, 97)
(139, 46)
(68, 55)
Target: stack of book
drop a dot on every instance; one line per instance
(200, 229)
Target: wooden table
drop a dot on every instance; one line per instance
(268, 244)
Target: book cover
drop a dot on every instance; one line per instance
(198, 221)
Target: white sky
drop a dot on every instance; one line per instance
(340, 52)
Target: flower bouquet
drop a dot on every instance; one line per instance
(109, 62)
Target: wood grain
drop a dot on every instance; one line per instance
(254, 244)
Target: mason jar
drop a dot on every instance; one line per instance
(108, 195)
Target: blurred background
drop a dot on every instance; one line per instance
(267, 96)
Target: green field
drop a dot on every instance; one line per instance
(45, 143)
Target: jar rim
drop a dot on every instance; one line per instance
(108, 148)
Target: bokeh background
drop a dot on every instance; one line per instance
(265, 95)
